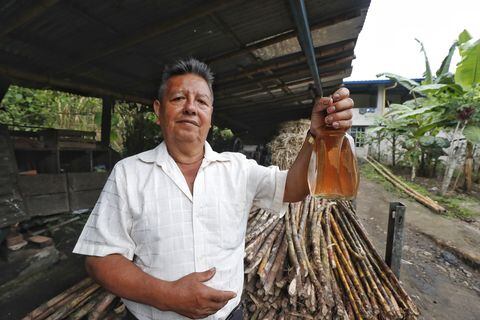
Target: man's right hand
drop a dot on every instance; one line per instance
(194, 299)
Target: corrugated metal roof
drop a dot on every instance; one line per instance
(119, 48)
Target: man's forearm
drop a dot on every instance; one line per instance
(296, 187)
(123, 278)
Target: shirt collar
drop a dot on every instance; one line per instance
(160, 155)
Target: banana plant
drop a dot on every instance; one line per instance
(466, 107)
(447, 98)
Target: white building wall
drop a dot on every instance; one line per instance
(367, 108)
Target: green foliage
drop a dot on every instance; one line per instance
(140, 133)
(472, 134)
(407, 83)
(468, 69)
(441, 102)
(428, 72)
(445, 66)
(31, 109)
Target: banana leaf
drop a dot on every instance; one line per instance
(428, 71)
(405, 82)
(472, 133)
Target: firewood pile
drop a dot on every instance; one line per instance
(316, 262)
(84, 300)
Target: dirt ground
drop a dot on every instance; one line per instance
(442, 285)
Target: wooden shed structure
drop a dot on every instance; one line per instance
(117, 49)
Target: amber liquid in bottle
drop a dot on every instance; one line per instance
(337, 172)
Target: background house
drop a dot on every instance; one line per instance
(372, 98)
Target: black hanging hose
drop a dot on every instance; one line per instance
(305, 39)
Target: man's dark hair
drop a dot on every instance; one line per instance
(181, 67)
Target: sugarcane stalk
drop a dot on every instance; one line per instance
(101, 306)
(268, 259)
(46, 308)
(70, 307)
(291, 250)
(266, 246)
(262, 226)
(85, 308)
(253, 247)
(342, 253)
(277, 265)
(298, 248)
(352, 278)
(353, 300)
(328, 238)
(383, 270)
(306, 210)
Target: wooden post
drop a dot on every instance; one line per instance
(107, 108)
(393, 252)
(4, 85)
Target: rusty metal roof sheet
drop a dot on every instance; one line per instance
(119, 48)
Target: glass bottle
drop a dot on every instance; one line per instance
(336, 175)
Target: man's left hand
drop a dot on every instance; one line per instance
(338, 114)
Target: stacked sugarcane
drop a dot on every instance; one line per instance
(85, 300)
(315, 262)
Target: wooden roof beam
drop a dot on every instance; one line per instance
(69, 86)
(26, 16)
(155, 29)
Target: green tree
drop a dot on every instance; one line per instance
(446, 101)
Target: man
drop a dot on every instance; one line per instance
(168, 231)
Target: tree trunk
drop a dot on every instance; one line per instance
(379, 142)
(452, 160)
(435, 163)
(394, 146)
(422, 169)
(468, 167)
(476, 165)
(414, 173)
(477, 173)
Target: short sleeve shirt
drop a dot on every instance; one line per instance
(147, 213)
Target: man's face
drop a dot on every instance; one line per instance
(185, 112)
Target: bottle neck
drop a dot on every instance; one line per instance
(331, 131)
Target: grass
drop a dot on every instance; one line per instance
(459, 206)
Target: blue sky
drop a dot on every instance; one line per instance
(387, 40)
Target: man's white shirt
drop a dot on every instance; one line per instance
(147, 213)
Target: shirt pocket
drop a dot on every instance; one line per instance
(233, 219)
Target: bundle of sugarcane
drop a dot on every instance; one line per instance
(316, 262)
(84, 300)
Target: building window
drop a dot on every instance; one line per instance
(366, 110)
(358, 134)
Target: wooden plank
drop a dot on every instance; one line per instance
(84, 199)
(42, 184)
(107, 109)
(47, 204)
(86, 181)
(7, 185)
(6, 168)
(4, 85)
(77, 145)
